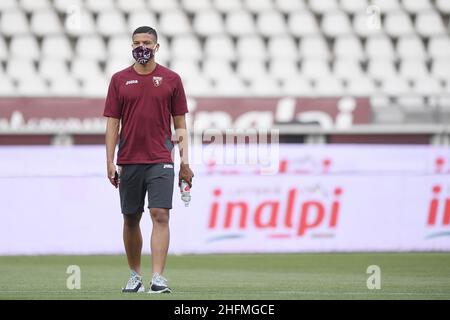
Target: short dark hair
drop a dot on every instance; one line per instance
(146, 29)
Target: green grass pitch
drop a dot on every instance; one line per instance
(246, 276)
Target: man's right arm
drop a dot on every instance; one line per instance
(112, 134)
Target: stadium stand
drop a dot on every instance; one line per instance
(237, 48)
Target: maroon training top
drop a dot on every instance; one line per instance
(145, 103)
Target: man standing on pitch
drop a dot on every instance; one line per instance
(141, 101)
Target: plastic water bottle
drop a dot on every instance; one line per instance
(185, 193)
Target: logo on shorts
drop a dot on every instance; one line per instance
(170, 166)
(157, 81)
(131, 82)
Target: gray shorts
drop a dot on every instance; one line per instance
(138, 179)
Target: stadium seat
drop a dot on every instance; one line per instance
(173, 23)
(395, 86)
(252, 47)
(99, 6)
(117, 64)
(250, 69)
(8, 5)
(119, 47)
(65, 6)
(227, 6)
(7, 88)
(387, 5)
(314, 68)
(220, 47)
(360, 87)
(271, 23)
(163, 54)
(282, 47)
(413, 68)
(129, 6)
(14, 22)
(314, 47)
(198, 87)
(411, 47)
(186, 68)
(439, 47)
(326, 87)
(4, 54)
(186, 47)
(193, 6)
(162, 6)
(427, 86)
(287, 6)
(336, 23)
(95, 87)
(348, 47)
(302, 23)
(283, 68)
(344, 68)
(45, 22)
(32, 87)
(33, 5)
(443, 6)
(214, 69)
(323, 6)
(398, 23)
(83, 69)
(57, 46)
(91, 47)
(65, 87)
(362, 26)
(429, 23)
(24, 47)
(258, 6)
(447, 86)
(264, 87)
(239, 23)
(139, 18)
(416, 6)
(380, 47)
(208, 22)
(2, 71)
(381, 69)
(230, 86)
(440, 69)
(354, 6)
(111, 23)
(297, 87)
(79, 22)
(50, 68)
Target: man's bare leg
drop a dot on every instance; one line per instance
(132, 239)
(160, 238)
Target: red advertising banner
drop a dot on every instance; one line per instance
(85, 115)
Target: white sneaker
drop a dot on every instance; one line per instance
(159, 284)
(134, 284)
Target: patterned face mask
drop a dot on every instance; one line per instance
(142, 54)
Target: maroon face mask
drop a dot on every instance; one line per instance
(143, 54)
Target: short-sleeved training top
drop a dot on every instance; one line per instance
(144, 104)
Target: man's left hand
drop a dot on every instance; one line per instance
(185, 174)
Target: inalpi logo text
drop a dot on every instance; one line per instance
(287, 214)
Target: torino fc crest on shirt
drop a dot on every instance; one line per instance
(157, 81)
